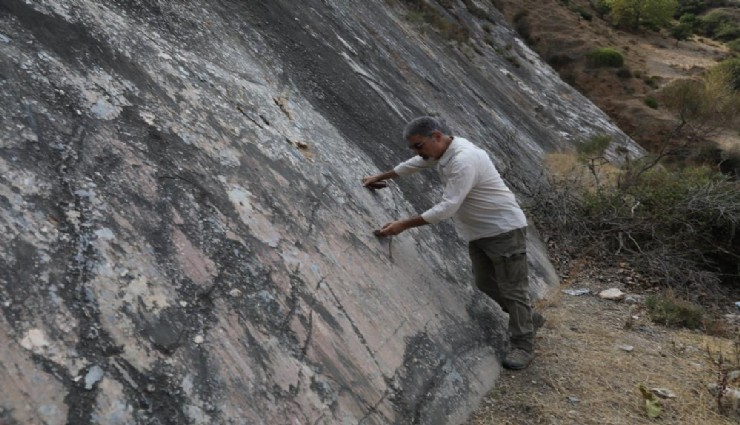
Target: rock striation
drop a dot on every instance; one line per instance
(183, 234)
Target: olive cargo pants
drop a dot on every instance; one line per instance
(500, 270)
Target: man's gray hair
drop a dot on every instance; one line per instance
(424, 126)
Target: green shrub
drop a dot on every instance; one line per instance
(513, 60)
(728, 31)
(689, 19)
(681, 31)
(624, 73)
(476, 11)
(734, 45)
(677, 226)
(559, 60)
(521, 26)
(709, 104)
(651, 102)
(518, 16)
(693, 7)
(652, 14)
(680, 225)
(672, 311)
(594, 147)
(583, 13)
(651, 25)
(600, 7)
(415, 17)
(729, 69)
(712, 21)
(650, 81)
(421, 12)
(605, 56)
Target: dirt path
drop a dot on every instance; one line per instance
(585, 373)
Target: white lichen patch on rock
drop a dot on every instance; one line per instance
(111, 407)
(141, 290)
(34, 340)
(250, 214)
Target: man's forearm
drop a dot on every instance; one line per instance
(370, 181)
(412, 222)
(387, 175)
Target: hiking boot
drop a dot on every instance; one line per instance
(517, 359)
(537, 321)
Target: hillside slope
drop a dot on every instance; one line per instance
(562, 37)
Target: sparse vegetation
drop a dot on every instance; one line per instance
(600, 7)
(583, 13)
(651, 81)
(704, 106)
(734, 45)
(422, 12)
(681, 31)
(672, 217)
(651, 102)
(513, 60)
(605, 57)
(670, 310)
(624, 73)
(727, 74)
(521, 25)
(719, 24)
(475, 10)
(679, 226)
(632, 14)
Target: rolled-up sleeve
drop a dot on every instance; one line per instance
(413, 165)
(459, 182)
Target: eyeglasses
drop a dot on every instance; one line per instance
(417, 146)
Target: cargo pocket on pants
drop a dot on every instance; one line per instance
(511, 271)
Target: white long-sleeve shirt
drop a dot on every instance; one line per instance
(475, 195)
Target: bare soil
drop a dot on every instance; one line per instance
(586, 373)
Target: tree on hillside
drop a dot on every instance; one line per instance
(632, 12)
(708, 105)
(681, 32)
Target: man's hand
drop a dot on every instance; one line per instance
(369, 180)
(378, 181)
(393, 228)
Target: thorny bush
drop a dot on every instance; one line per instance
(678, 226)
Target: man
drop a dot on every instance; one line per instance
(486, 215)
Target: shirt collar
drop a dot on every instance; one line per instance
(449, 153)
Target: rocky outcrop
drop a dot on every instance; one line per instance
(184, 236)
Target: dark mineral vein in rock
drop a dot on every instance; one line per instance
(184, 237)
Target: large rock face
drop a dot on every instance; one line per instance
(184, 237)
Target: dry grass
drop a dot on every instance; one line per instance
(567, 167)
(579, 356)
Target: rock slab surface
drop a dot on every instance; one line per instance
(183, 235)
